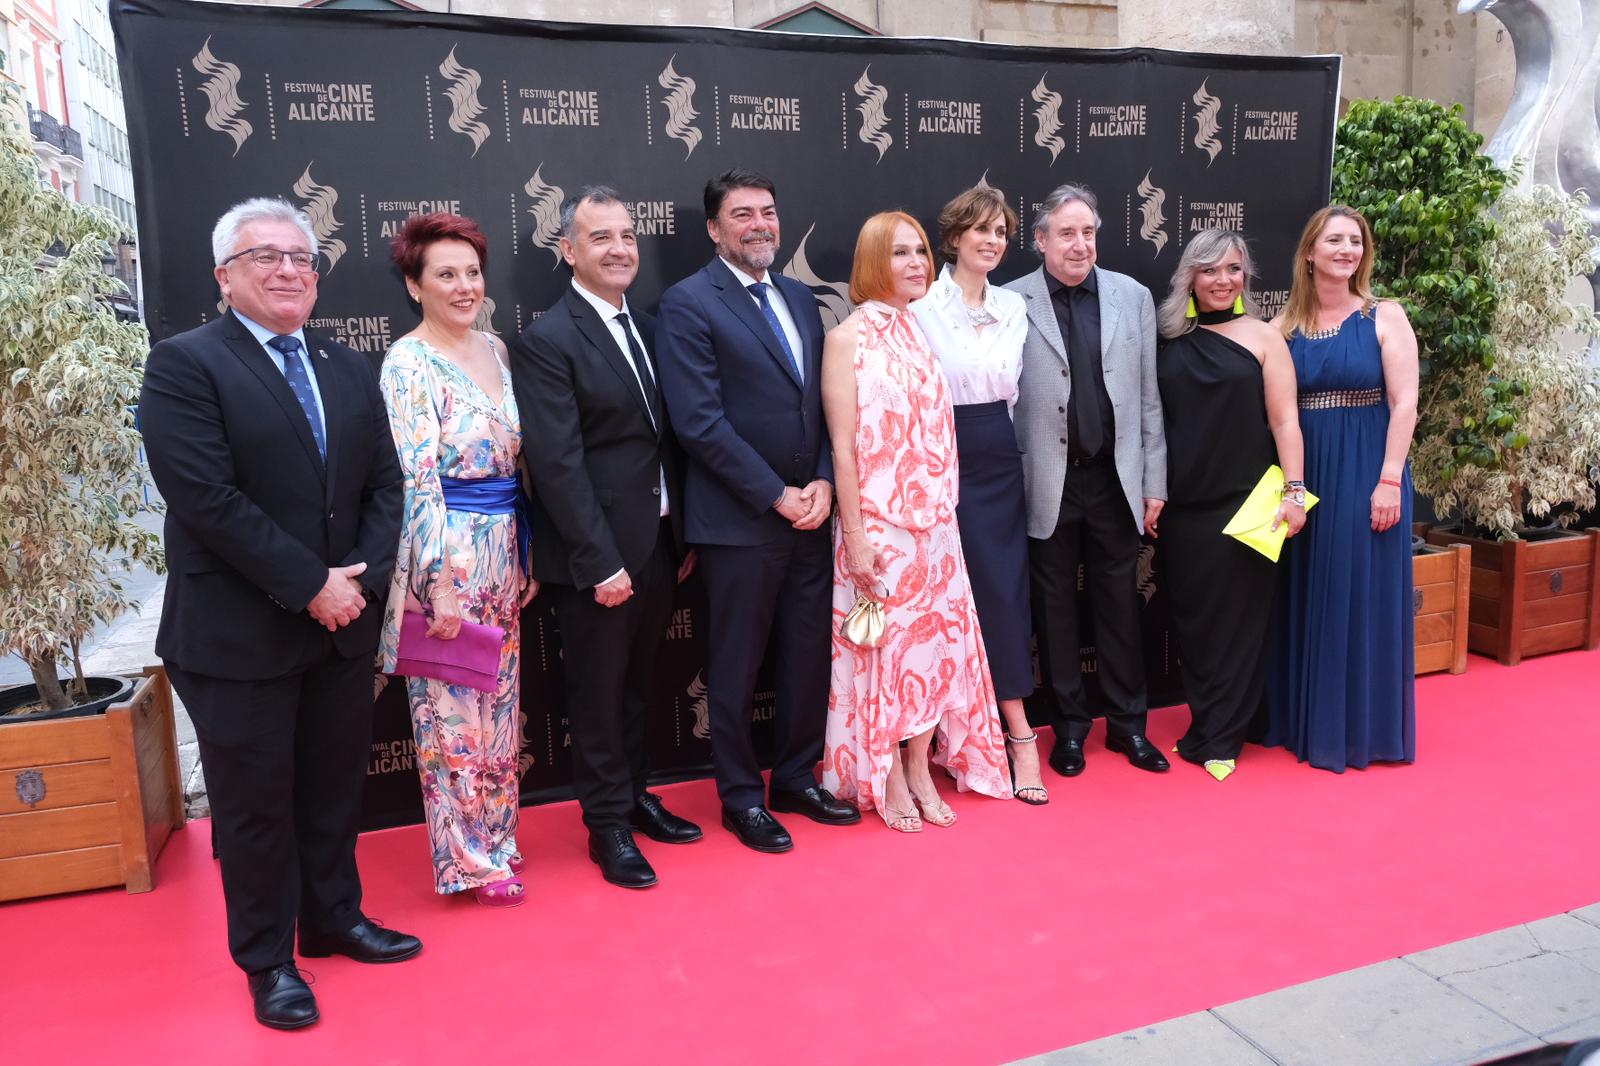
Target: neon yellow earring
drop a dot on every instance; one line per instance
(1238, 304)
(1193, 311)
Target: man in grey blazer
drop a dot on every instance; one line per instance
(1094, 462)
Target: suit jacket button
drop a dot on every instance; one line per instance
(1063, 440)
(1063, 373)
(656, 491)
(1063, 410)
(330, 515)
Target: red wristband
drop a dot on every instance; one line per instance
(1386, 481)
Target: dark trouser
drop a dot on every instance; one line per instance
(782, 591)
(608, 655)
(1096, 529)
(285, 763)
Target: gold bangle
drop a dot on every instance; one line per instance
(846, 529)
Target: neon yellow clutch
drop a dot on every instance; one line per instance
(1252, 523)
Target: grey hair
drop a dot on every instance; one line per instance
(1060, 197)
(1204, 249)
(261, 209)
(589, 194)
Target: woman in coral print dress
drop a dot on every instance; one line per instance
(455, 424)
(893, 432)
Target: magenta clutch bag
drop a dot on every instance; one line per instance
(472, 659)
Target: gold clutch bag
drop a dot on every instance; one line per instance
(863, 625)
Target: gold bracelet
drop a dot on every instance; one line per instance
(441, 594)
(846, 529)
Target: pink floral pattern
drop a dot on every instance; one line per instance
(931, 670)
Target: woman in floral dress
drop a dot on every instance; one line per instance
(896, 540)
(454, 420)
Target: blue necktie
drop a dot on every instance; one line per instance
(295, 372)
(759, 290)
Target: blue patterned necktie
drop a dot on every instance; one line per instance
(294, 372)
(758, 289)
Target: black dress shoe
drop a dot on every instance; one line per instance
(653, 819)
(1140, 752)
(366, 941)
(757, 829)
(282, 999)
(619, 858)
(1066, 758)
(815, 803)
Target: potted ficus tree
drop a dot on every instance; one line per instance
(1534, 581)
(85, 800)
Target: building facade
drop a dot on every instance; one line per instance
(1416, 47)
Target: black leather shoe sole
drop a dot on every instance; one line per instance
(805, 810)
(753, 844)
(318, 951)
(661, 836)
(287, 1024)
(618, 880)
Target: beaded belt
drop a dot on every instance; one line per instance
(1319, 401)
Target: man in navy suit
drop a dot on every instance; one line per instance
(740, 351)
(272, 449)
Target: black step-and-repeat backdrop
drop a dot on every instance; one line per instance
(364, 119)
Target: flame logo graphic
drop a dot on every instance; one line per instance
(679, 103)
(484, 323)
(1145, 572)
(873, 119)
(1151, 200)
(222, 96)
(833, 297)
(546, 212)
(700, 705)
(318, 202)
(1048, 115)
(1205, 123)
(464, 105)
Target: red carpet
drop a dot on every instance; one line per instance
(1128, 900)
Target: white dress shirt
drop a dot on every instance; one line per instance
(791, 332)
(608, 315)
(262, 335)
(980, 367)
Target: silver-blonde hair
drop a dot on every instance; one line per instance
(1204, 249)
(261, 209)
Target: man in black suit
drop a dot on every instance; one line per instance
(607, 529)
(272, 449)
(741, 366)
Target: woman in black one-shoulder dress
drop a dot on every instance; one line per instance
(1228, 393)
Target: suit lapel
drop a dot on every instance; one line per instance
(797, 296)
(250, 353)
(1110, 316)
(599, 336)
(1042, 313)
(744, 309)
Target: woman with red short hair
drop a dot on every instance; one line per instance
(896, 542)
(463, 551)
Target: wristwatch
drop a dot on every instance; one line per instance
(1295, 492)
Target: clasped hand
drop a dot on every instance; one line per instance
(341, 600)
(806, 508)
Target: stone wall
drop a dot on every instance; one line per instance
(1417, 47)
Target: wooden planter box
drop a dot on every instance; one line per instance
(1441, 577)
(1530, 597)
(89, 802)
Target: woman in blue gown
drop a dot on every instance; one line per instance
(1340, 677)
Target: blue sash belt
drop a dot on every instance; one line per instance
(493, 495)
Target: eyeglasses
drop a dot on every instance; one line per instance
(270, 258)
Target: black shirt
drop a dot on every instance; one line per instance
(1091, 428)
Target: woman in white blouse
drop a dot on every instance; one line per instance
(976, 329)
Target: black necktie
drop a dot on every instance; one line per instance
(641, 367)
(1081, 360)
